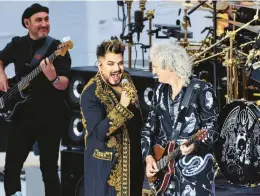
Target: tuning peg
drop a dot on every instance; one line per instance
(65, 39)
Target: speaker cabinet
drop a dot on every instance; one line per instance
(79, 77)
(72, 173)
(73, 137)
(144, 83)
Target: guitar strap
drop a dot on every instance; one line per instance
(41, 52)
(188, 96)
(190, 91)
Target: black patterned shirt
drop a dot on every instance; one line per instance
(201, 114)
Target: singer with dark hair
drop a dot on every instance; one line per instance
(182, 119)
(112, 119)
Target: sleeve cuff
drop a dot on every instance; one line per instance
(117, 117)
(147, 153)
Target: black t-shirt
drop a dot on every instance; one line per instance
(45, 98)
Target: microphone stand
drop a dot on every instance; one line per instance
(150, 15)
(215, 78)
(185, 26)
(214, 2)
(129, 5)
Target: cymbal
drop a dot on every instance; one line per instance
(177, 4)
(222, 22)
(251, 28)
(252, 5)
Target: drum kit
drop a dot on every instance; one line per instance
(237, 150)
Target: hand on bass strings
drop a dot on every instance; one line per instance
(151, 166)
(186, 149)
(48, 69)
(3, 82)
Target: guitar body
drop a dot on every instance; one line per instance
(11, 103)
(165, 161)
(160, 181)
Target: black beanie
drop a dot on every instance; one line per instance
(33, 9)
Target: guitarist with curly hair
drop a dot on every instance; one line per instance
(178, 136)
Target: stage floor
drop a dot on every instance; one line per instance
(223, 188)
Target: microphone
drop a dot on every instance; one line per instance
(130, 91)
(139, 23)
(124, 81)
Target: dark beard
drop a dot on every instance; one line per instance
(107, 81)
(113, 85)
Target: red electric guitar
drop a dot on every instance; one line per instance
(165, 158)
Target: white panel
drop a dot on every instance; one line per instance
(69, 19)
(90, 22)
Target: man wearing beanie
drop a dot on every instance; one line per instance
(43, 116)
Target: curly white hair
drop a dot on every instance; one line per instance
(171, 56)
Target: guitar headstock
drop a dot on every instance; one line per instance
(201, 135)
(64, 47)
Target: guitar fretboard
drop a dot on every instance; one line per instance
(27, 79)
(173, 155)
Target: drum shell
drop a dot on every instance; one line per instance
(237, 150)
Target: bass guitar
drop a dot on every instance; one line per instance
(18, 94)
(165, 158)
